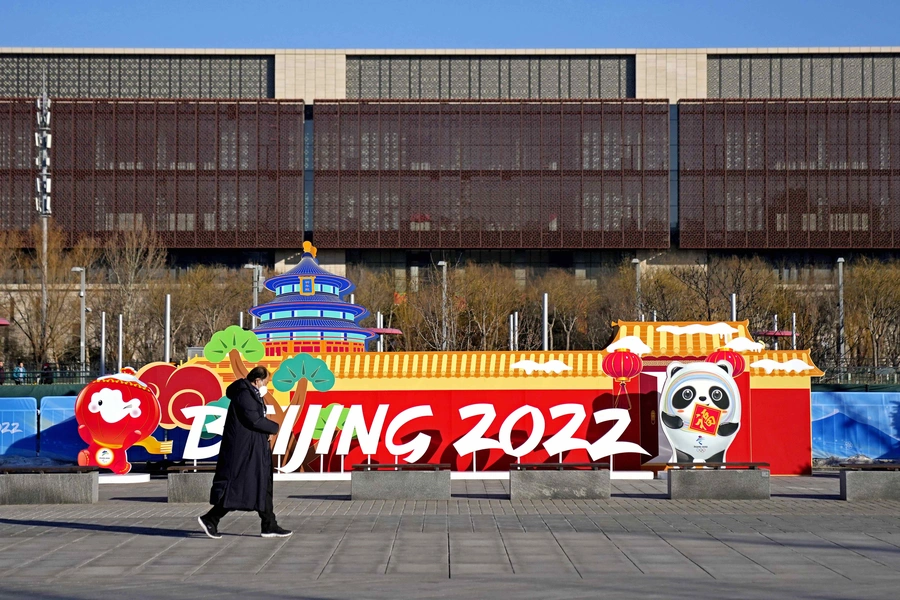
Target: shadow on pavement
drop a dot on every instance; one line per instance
(644, 495)
(480, 496)
(133, 530)
(141, 498)
(319, 497)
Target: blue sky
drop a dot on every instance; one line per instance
(449, 23)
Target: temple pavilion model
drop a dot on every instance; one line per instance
(309, 313)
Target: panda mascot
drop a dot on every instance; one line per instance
(700, 410)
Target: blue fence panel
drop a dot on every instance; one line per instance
(18, 427)
(60, 439)
(59, 429)
(847, 424)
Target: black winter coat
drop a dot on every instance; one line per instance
(244, 467)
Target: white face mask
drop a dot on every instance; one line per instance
(263, 391)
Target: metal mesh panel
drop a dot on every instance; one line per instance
(789, 174)
(137, 76)
(491, 174)
(810, 76)
(202, 174)
(492, 77)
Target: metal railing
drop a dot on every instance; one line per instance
(57, 374)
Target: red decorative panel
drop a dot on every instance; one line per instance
(200, 173)
(789, 173)
(491, 174)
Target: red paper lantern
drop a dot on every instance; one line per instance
(622, 365)
(737, 362)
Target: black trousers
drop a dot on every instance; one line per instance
(266, 517)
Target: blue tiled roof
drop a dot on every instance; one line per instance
(299, 324)
(309, 267)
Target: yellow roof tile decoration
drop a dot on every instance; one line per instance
(699, 339)
(454, 370)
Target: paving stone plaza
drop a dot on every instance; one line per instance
(803, 543)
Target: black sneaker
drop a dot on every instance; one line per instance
(209, 529)
(276, 532)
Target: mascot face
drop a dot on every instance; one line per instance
(700, 409)
(114, 406)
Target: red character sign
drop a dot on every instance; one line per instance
(114, 413)
(705, 419)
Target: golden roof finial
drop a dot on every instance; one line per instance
(309, 248)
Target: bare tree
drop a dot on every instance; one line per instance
(873, 293)
(490, 294)
(23, 292)
(134, 258)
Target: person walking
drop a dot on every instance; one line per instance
(46, 374)
(243, 479)
(19, 374)
(2, 373)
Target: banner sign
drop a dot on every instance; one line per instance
(448, 427)
(59, 430)
(18, 426)
(856, 425)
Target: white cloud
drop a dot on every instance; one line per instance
(743, 344)
(632, 343)
(552, 366)
(714, 329)
(795, 365)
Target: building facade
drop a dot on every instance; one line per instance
(573, 158)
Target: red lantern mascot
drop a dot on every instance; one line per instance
(622, 365)
(114, 413)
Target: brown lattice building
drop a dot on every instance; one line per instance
(575, 158)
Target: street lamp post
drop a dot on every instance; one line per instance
(443, 265)
(545, 323)
(637, 288)
(121, 333)
(103, 343)
(167, 356)
(840, 267)
(257, 276)
(81, 294)
(43, 141)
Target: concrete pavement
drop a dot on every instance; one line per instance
(803, 543)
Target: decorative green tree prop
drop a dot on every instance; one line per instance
(238, 345)
(300, 371)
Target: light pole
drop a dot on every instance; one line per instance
(257, 276)
(840, 266)
(637, 288)
(545, 323)
(102, 343)
(81, 270)
(120, 343)
(43, 141)
(167, 353)
(443, 265)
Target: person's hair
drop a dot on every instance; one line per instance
(257, 373)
